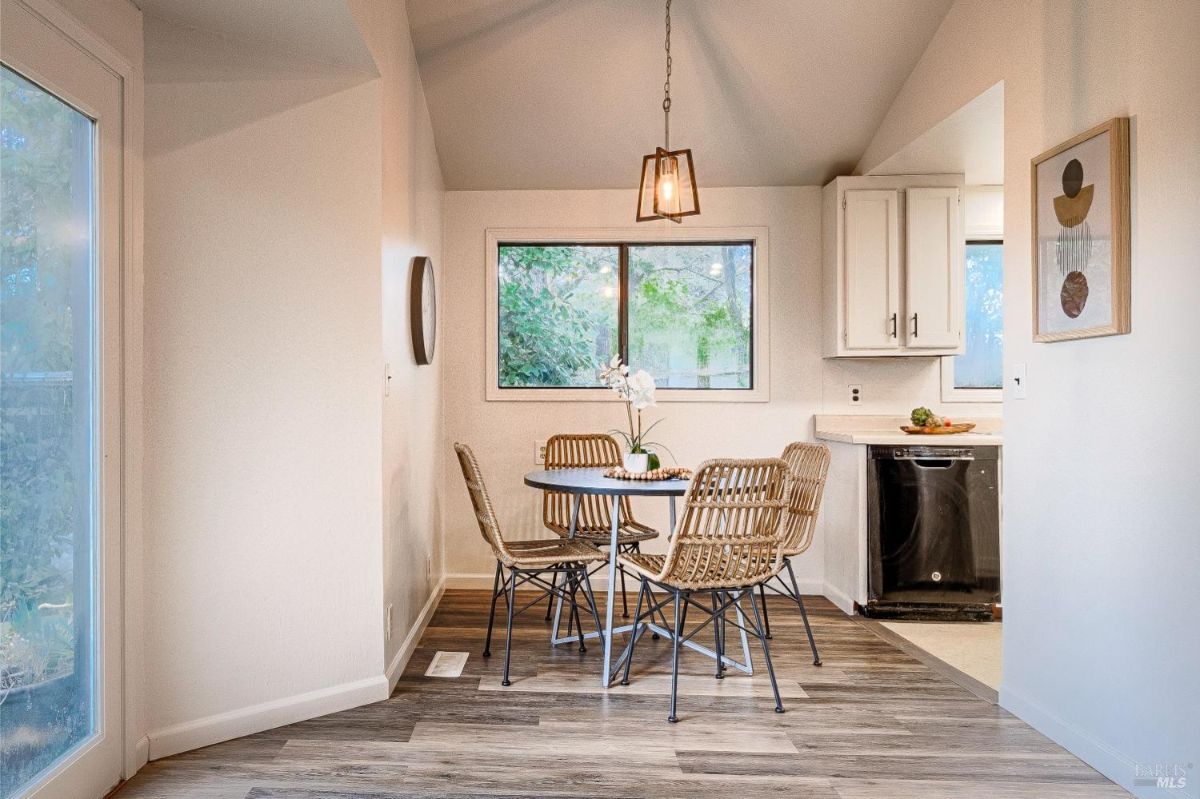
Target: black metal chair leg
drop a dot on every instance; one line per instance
(550, 598)
(624, 601)
(570, 577)
(591, 600)
(675, 655)
(717, 631)
(803, 614)
(762, 639)
(637, 618)
(512, 600)
(487, 642)
(762, 592)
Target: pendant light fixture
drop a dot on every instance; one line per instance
(668, 189)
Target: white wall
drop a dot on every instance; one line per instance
(503, 433)
(412, 411)
(1101, 549)
(263, 403)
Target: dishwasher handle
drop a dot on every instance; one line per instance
(934, 462)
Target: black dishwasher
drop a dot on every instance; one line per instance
(933, 532)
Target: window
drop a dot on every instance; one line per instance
(682, 310)
(47, 432)
(978, 374)
(558, 311)
(689, 314)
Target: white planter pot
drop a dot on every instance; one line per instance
(636, 463)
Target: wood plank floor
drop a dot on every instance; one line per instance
(871, 722)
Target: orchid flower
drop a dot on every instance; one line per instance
(637, 391)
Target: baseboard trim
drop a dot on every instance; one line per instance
(843, 601)
(1097, 754)
(483, 582)
(468, 581)
(264, 716)
(405, 652)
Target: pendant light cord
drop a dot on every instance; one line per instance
(667, 87)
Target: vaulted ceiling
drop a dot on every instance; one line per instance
(566, 94)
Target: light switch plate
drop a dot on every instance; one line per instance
(1018, 381)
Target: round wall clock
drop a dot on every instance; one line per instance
(422, 305)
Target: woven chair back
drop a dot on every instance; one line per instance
(582, 451)
(730, 533)
(808, 467)
(485, 514)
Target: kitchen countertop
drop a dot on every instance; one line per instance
(885, 430)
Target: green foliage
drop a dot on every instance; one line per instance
(689, 316)
(557, 314)
(43, 241)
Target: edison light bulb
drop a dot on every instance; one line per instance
(668, 186)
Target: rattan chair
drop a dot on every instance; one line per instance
(528, 562)
(594, 525)
(727, 542)
(808, 467)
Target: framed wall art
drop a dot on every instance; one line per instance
(1081, 236)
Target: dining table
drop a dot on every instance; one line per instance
(579, 482)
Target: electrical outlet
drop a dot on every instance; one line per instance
(854, 394)
(539, 453)
(387, 633)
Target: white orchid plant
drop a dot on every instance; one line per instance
(637, 390)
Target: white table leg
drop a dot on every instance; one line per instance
(606, 679)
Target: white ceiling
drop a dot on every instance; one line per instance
(566, 94)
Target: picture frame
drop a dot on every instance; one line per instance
(1081, 236)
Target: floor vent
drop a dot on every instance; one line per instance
(447, 664)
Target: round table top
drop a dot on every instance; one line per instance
(593, 481)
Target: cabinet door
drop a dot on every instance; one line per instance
(933, 269)
(872, 269)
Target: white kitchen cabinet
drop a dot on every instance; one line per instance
(933, 269)
(872, 253)
(893, 266)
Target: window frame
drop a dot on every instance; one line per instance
(759, 315)
(951, 392)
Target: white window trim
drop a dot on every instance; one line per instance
(761, 320)
(973, 231)
(951, 393)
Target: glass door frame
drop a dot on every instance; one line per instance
(51, 48)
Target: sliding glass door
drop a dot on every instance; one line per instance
(60, 713)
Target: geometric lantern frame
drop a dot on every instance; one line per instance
(668, 188)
